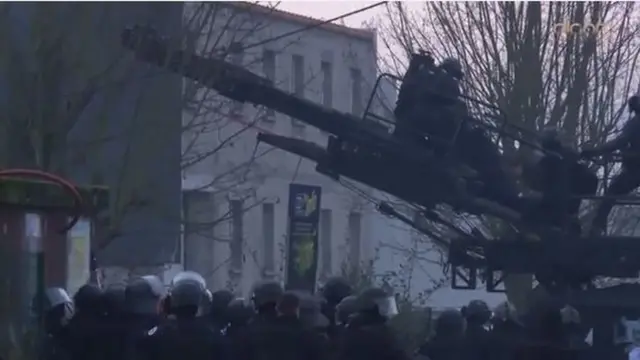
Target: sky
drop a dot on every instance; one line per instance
(331, 9)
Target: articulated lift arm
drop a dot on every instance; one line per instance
(238, 84)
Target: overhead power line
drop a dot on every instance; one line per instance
(313, 26)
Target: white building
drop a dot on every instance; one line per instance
(332, 65)
(329, 64)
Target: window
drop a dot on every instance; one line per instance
(327, 83)
(236, 53)
(268, 234)
(236, 211)
(269, 71)
(356, 92)
(355, 227)
(325, 243)
(297, 81)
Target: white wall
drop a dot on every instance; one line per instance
(270, 175)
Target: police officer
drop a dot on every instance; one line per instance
(56, 310)
(562, 180)
(345, 309)
(368, 337)
(572, 328)
(628, 144)
(310, 314)
(184, 336)
(85, 329)
(142, 306)
(219, 308)
(283, 337)
(265, 297)
(333, 291)
(239, 314)
(477, 335)
(420, 65)
(447, 342)
(507, 331)
(114, 323)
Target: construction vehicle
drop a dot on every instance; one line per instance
(563, 263)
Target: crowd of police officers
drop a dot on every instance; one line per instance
(145, 320)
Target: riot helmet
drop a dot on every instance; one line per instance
(220, 300)
(377, 301)
(345, 309)
(113, 299)
(188, 292)
(336, 289)
(289, 304)
(505, 311)
(453, 67)
(570, 315)
(56, 309)
(88, 299)
(310, 314)
(143, 295)
(239, 312)
(477, 312)
(189, 276)
(634, 103)
(450, 324)
(266, 294)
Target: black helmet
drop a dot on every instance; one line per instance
(570, 315)
(634, 103)
(450, 323)
(345, 308)
(88, 299)
(220, 300)
(505, 311)
(239, 312)
(143, 295)
(453, 67)
(336, 289)
(266, 293)
(188, 289)
(113, 299)
(310, 314)
(378, 300)
(477, 311)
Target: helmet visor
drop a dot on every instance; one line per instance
(387, 307)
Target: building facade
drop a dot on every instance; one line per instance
(329, 64)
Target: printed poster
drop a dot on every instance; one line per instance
(304, 216)
(78, 256)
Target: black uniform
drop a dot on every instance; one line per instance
(219, 308)
(368, 337)
(239, 314)
(57, 309)
(142, 306)
(448, 340)
(114, 322)
(478, 339)
(628, 144)
(562, 180)
(185, 336)
(333, 292)
(86, 330)
(281, 338)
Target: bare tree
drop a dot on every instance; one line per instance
(54, 87)
(517, 57)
